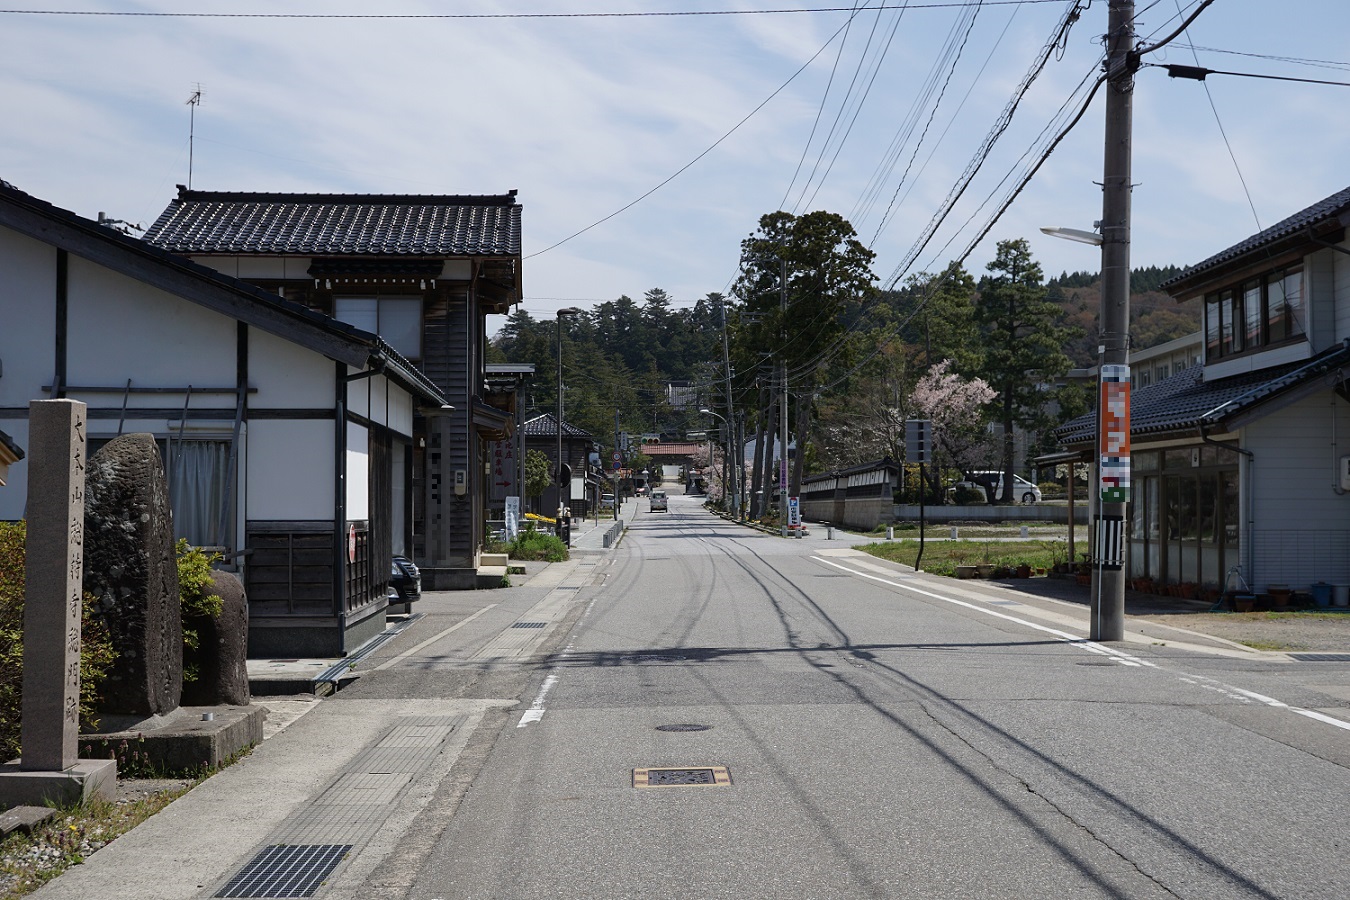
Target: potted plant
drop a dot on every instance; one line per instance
(1023, 570)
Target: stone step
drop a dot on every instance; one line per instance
(493, 559)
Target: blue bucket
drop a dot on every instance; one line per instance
(1321, 594)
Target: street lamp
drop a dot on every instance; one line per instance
(728, 483)
(565, 311)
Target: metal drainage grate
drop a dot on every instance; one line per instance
(284, 870)
(689, 776)
(1320, 657)
(529, 625)
(684, 726)
(1096, 663)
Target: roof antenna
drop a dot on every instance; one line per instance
(194, 101)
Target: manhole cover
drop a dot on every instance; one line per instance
(529, 625)
(284, 870)
(685, 776)
(683, 727)
(1320, 657)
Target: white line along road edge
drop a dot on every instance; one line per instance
(1121, 657)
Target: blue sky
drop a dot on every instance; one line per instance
(583, 115)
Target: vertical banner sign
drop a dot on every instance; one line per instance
(503, 470)
(794, 512)
(512, 518)
(1114, 450)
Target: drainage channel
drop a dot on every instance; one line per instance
(300, 855)
(334, 674)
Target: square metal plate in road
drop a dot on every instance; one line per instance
(682, 776)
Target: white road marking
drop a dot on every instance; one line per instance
(1091, 646)
(433, 639)
(1241, 695)
(536, 710)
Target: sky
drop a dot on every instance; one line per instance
(646, 147)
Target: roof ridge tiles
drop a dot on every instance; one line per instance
(199, 196)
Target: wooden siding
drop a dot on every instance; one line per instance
(290, 568)
(1301, 526)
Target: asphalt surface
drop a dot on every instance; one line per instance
(883, 734)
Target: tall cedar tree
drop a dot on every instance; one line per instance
(828, 278)
(1024, 337)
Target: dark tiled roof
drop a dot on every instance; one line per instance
(547, 426)
(380, 354)
(339, 224)
(1322, 211)
(1184, 403)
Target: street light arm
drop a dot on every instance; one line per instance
(1157, 45)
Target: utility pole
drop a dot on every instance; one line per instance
(738, 472)
(783, 406)
(1113, 402)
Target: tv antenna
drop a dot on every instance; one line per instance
(194, 101)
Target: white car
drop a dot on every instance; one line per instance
(659, 502)
(1023, 490)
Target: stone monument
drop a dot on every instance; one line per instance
(132, 570)
(49, 769)
(222, 677)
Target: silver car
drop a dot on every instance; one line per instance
(659, 501)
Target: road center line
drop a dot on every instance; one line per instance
(1236, 693)
(536, 710)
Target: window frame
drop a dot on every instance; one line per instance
(1230, 313)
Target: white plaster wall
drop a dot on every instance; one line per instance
(27, 320)
(288, 376)
(290, 469)
(120, 328)
(358, 472)
(1341, 292)
(358, 393)
(379, 399)
(399, 414)
(1300, 529)
(1318, 276)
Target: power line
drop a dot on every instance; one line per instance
(649, 14)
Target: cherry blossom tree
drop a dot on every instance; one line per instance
(955, 405)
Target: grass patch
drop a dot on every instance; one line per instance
(942, 557)
(28, 861)
(1276, 646)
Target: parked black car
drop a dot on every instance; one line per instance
(406, 579)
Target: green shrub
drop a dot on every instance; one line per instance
(965, 496)
(96, 653)
(194, 584)
(535, 545)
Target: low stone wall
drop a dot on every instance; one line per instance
(1031, 512)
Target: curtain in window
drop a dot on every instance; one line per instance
(197, 490)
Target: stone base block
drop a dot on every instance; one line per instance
(83, 781)
(181, 741)
(449, 579)
(493, 559)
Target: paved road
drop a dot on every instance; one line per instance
(884, 736)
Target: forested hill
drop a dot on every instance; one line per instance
(1155, 318)
(623, 355)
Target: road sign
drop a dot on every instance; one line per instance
(918, 440)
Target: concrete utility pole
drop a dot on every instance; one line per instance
(783, 413)
(1113, 409)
